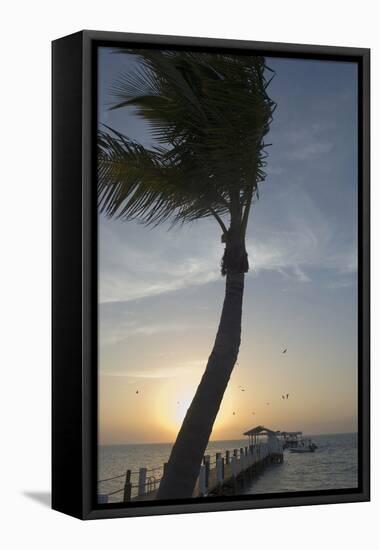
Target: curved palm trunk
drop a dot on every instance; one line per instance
(184, 463)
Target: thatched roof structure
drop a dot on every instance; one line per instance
(260, 430)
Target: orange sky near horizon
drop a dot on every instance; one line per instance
(322, 394)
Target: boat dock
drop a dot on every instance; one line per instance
(224, 473)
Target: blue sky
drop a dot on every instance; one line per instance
(161, 292)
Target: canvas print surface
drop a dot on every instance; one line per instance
(227, 267)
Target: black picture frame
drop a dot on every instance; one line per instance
(74, 272)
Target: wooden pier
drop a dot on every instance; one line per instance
(224, 473)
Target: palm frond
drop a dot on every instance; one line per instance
(138, 183)
(208, 114)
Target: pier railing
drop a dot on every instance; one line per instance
(219, 472)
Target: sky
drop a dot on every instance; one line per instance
(161, 291)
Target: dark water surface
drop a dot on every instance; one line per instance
(334, 465)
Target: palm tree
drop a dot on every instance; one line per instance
(208, 114)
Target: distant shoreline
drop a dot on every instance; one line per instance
(218, 440)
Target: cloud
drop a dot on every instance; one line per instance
(159, 372)
(113, 333)
(137, 263)
(303, 243)
(295, 255)
(304, 144)
(340, 284)
(301, 142)
(274, 170)
(141, 263)
(309, 151)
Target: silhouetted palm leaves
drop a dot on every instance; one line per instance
(208, 114)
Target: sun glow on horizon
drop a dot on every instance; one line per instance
(155, 414)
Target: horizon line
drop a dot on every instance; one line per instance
(213, 440)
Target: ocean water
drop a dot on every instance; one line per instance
(332, 466)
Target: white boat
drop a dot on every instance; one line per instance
(305, 447)
(291, 439)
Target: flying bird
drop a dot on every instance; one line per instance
(234, 413)
(267, 403)
(287, 395)
(284, 351)
(253, 412)
(137, 391)
(283, 397)
(242, 389)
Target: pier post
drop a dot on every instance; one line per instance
(243, 467)
(250, 462)
(234, 466)
(227, 457)
(244, 464)
(127, 486)
(219, 457)
(219, 469)
(219, 472)
(202, 481)
(234, 472)
(249, 458)
(142, 481)
(242, 459)
(206, 462)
